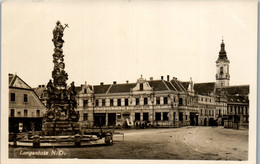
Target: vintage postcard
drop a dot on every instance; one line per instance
(130, 81)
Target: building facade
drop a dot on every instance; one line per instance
(25, 108)
(164, 102)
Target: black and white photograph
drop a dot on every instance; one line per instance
(130, 81)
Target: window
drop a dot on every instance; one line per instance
(12, 96)
(25, 98)
(186, 117)
(25, 112)
(209, 100)
(206, 99)
(85, 117)
(165, 116)
(141, 86)
(12, 113)
(221, 70)
(137, 101)
(38, 113)
(174, 100)
(180, 101)
(158, 116)
(246, 111)
(103, 102)
(96, 102)
(145, 101)
(111, 102)
(118, 102)
(137, 116)
(85, 103)
(85, 90)
(181, 116)
(201, 99)
(145, 116)
(165, 100)
(158, 100)
(126, 102)
(201, 112)
(19, 113)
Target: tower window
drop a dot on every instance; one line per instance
(221, 70)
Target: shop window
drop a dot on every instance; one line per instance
(137, 116)
(145, 116)
(165, 116)
(158, 116)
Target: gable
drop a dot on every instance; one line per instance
(19, 83)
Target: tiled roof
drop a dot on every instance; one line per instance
(185, 84)
(237, 99)
(39, 91)
(235, 90)
(99, 89)
(170, 85)
(204, 88)
(177, 84)
(158, 85)
(119, 88)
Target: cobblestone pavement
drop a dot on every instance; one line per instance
(190, 143)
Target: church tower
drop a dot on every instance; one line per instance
(222, 68)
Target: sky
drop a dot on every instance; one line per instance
(121, 40)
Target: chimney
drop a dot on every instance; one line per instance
(101, 83)
(114, 82)
(127, 81)
(151, 78)
(168, 77)
(161, 77)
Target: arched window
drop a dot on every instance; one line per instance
(221, 70)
